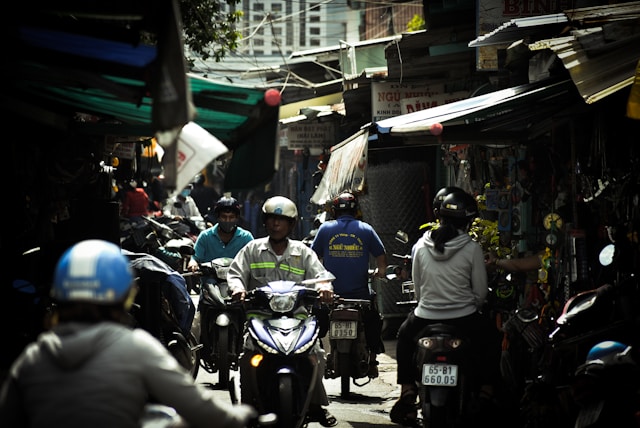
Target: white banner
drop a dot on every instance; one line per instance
(196, 149)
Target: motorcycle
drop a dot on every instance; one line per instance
(280, 367)
(221, 321)
(349, 353)
(443, 373)
(606, 387)
(164, 308)
(605, 313)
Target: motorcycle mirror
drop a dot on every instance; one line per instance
(606, 255)
(402, 236)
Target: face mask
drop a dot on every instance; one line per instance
(185, 193)
(227, 226)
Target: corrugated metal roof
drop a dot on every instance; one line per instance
(600, 52)
(546, 26)
(597, 64)
(523, 28)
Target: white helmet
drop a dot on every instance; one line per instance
(279, 205)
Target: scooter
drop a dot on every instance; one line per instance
(279, 368)
(604, 313)
(221, 321)
(442, 371)
(605, 387)
(164, 308)
(349, 353)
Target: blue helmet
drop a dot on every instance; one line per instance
(92, 271)
(604, 349)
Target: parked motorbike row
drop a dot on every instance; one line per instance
(578, 368)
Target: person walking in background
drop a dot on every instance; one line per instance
(344, 245)
(451, 286)
(135, 203)
(204, 196)
(277, 257)
(91, 370)
(182, 205)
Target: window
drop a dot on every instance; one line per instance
(258, 42)
(258, 7)
(277, 31)
(314, 42)
(314, 7)
(314, 31)
(276, 7)
(314, 19)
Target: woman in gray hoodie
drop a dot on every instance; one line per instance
(450, 282)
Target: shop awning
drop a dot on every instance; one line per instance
(498, 117)
(86, 68)
(501, 116)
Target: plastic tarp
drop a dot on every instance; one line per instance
(346, 169)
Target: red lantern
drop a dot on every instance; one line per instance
(436, 129)
(272, 97)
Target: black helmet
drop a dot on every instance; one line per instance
(227, 203)
(459, 205)
(345, 201)
(443, 193)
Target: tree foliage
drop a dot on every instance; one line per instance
(210, 31)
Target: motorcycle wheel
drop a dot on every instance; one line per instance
(194, 345)
(286, 411)
(345, 378)
(223, 356)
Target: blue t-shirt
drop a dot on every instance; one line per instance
(209, 246)
(344, 245)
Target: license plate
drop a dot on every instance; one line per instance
(440, 374)
(343, 330)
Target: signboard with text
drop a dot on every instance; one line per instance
(390, 99)
(308, 135)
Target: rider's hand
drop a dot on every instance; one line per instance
(193, 266)
(326, 295)
(238, 295)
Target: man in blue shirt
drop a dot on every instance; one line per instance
(344, 245)
(224, 239)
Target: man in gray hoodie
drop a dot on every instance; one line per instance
(91, 370)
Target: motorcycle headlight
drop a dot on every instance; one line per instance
(283, 302)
